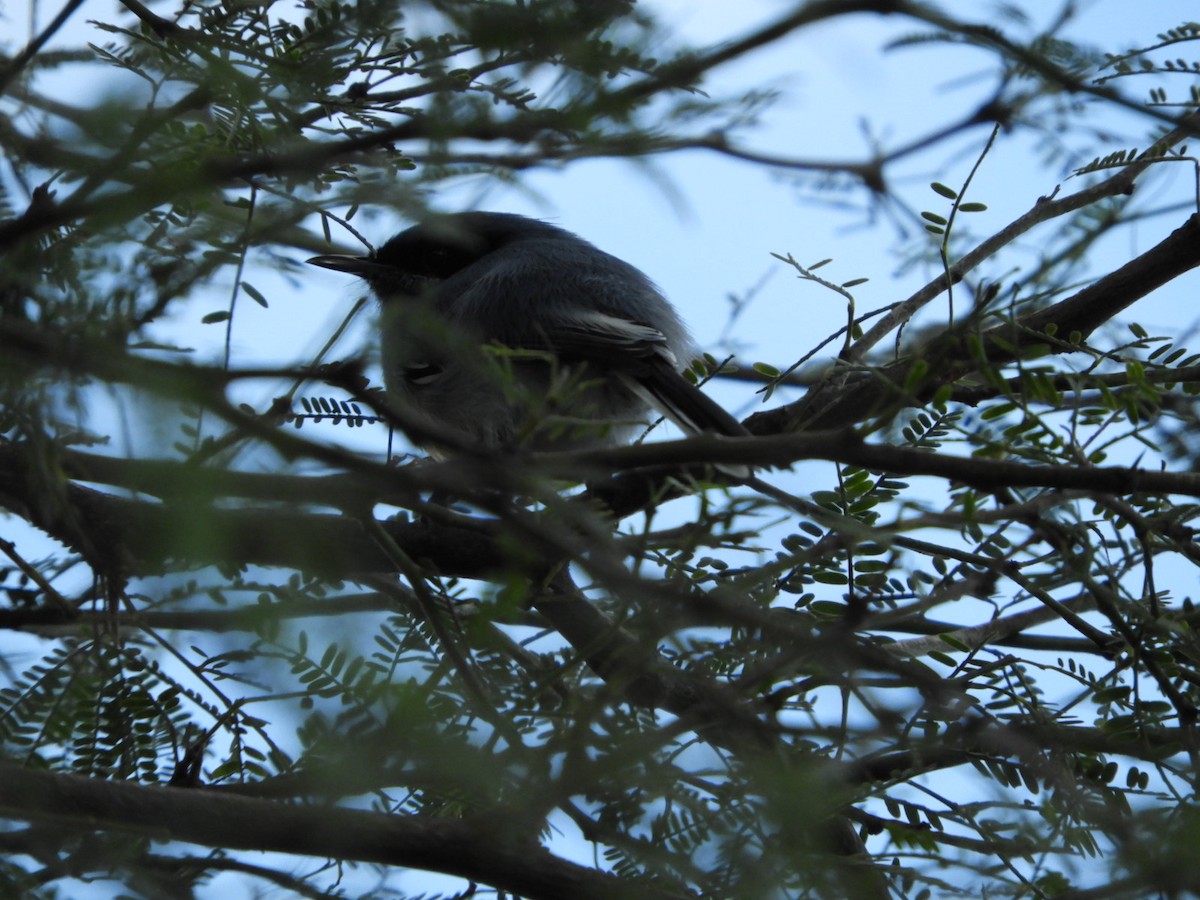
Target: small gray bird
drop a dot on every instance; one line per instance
(507, 331)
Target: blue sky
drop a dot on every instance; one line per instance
(712, 233)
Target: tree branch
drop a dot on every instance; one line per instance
(477, 851)
(881, 391)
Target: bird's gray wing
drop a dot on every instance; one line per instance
(639, 356)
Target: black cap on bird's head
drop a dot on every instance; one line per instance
(436, 249)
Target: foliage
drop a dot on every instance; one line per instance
(959, 657)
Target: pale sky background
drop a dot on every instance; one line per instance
(731, 214)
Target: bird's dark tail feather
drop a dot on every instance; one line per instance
(684, 403)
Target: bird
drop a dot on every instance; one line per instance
(505, 332)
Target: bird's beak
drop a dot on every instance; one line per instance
(362, 266)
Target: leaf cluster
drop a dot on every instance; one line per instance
(948, 656)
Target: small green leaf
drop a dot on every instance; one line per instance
(328, 656)
(827, 608)
(972, 207)
(255, 294)
(934, 218)
(948, 192)
(827, 577)
(951, 641)
(1109, 694)
(995, 412)
(212, 317)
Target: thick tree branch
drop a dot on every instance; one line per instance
(477, 851)
(147, 535)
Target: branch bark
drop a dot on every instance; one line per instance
(477, 851)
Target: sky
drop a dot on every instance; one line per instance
(711, 233)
